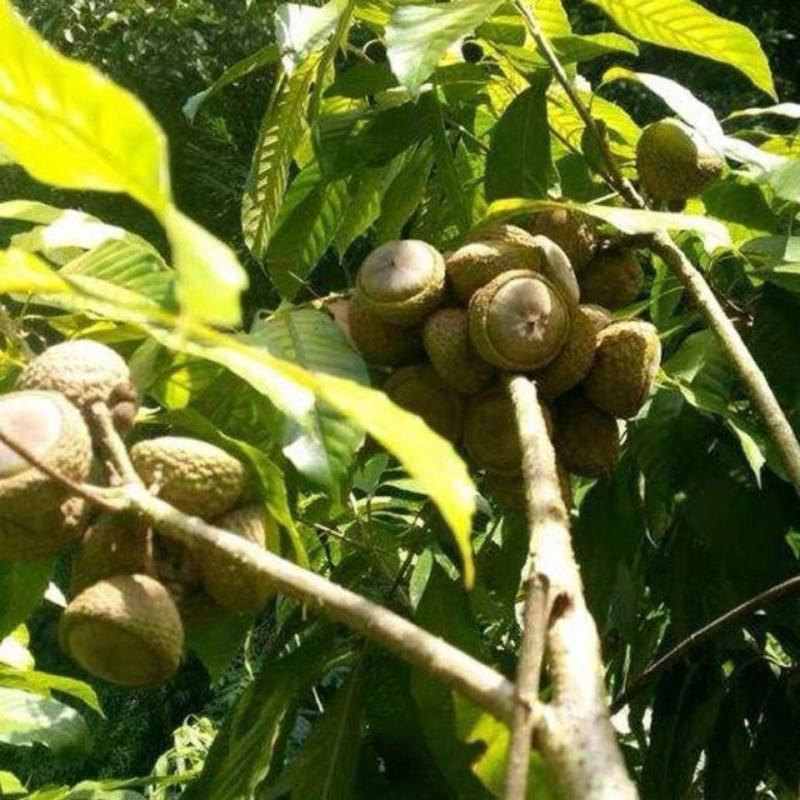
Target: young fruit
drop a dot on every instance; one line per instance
(115, 544)
(509, 491)
(420, 390)
(586, 439)
(54, 431)
(196, 477)
(450, 349)
(574, 361)
(625, 366)
(675, 161)
(42, 535)
(382, 343)
(230, 581)
(519, 321)
(573, 232)
(82, 370)
(491, 437)
(614, 279)
(125, 630)
(402, 281)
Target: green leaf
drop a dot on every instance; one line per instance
(326, 766)
(10, 785)
(632, 221)
(551, 16)
(70, 126)
(404, 194)
(302, 29)
(302, 237)
(242, 753)
(22, 586)
(268, 54)
(43, 684)
(520, 162)
(26, 719)
(282, 128)
(685, 25)
(418, 36)
(312, 340)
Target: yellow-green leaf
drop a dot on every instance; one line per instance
(686, 25)
(23, 272)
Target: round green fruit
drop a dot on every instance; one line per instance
(675, 161)
(84, 371)
(196, 477)
(382, 343)
(614, 279)
(402, 281)
(625, 367)
(53, 430)
(420, 390)
(449, 347)
(126, 630)
(586, 439)
(42, 534)
(573, 232)
(519, 321)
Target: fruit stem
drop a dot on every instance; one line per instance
(697, 287)
(577, 740)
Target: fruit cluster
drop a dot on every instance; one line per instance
(132, 591)
(534, 301)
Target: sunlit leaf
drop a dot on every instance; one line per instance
(22, 586)
(302, 29)
(418, 36)
(43, 684)
(686, 25)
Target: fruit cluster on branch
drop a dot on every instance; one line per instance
(132, 592)
(537, 301)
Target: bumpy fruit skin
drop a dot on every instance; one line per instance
(196, 477)
(519, 321)
(43, 535)
(53, 429)
(382, 343)
(586, 439)
(674, 161)
(115, 544)
(574, 361)
(509, 491)
(600, 317)
(450, 349)
(231, 582)
(402, 281)
(574, 233)
(491, 438)
(420, 390)
(477, 263)
(84, 371)
(626, 363)
(125, 630)
(614, 279)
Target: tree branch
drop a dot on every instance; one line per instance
(544, 507)
(771, 595)
(576, 737)
(750, 373)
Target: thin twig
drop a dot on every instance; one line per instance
(544, 503)
(756, 603)
(662, 244)
(102, 499)
(114, 444)
(575, 737)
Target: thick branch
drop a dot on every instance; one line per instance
(545, 507)
(576, 738)
(756, 603)
(758, 388)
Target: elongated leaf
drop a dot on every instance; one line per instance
(788, 110)
(27, 718)
(686, 25)
(312, 340)
(68, 125)
(302, 29)
(447, 171)
(241, 754)
(22, 586)
(427, 457)
(43, 684)
(552, 17)
(520, 162)
(326, 767)
(281, 130)
(713, 233)
(418, 36)
(261, 58)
